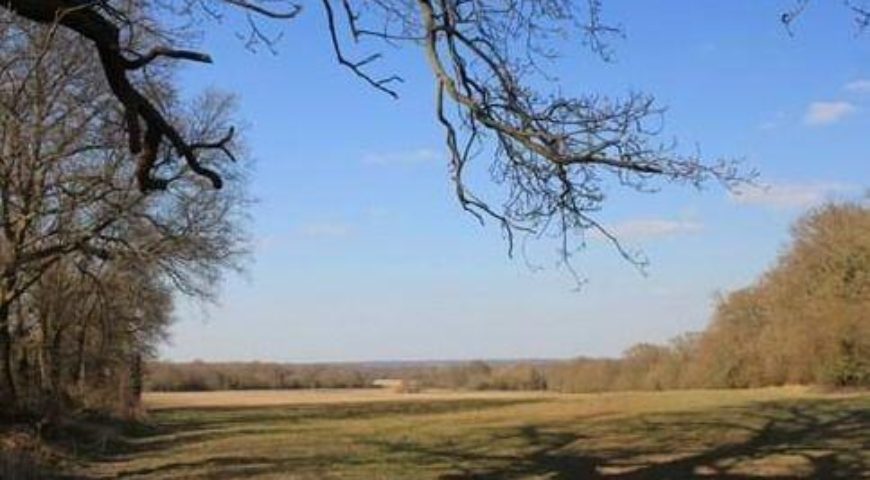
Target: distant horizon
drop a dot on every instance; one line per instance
(387, 362)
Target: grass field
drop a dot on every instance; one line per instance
(769, 433)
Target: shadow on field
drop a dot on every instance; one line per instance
(178, 428)
(780, 440)
(182, 426)
(798, 439)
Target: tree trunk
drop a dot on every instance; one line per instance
(136, 379)
(54, 364)
(131, 386)
(8, 392)
(80, 363)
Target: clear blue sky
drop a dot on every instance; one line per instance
(362, 252)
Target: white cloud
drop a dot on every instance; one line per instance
(862, 85)
(325, 230)
(789, 195)
(824, 113)
(654, 228)
(410, 157)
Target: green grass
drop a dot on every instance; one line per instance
(771, 433)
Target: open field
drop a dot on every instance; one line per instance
(768, 433)
(264, 398)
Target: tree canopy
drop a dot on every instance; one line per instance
(89, 265)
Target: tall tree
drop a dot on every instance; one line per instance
(69, 214)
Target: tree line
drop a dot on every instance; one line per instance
(804, 321)
(202, 376)
(90, 266)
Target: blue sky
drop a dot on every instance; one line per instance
(362, 253)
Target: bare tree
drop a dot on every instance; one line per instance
(552, 154)
(70, 219)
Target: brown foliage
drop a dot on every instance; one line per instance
(808, 319)
(89, 265)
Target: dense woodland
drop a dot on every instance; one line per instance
(805, 321)
(91, 266)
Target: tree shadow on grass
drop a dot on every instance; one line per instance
(169, 430)
(807, 439)
(224, 417)
(796, 439)
(232, 466)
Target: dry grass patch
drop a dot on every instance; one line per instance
(263, 398)
(769, 433)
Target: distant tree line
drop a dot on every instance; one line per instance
(805, 321)
(202, 376)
